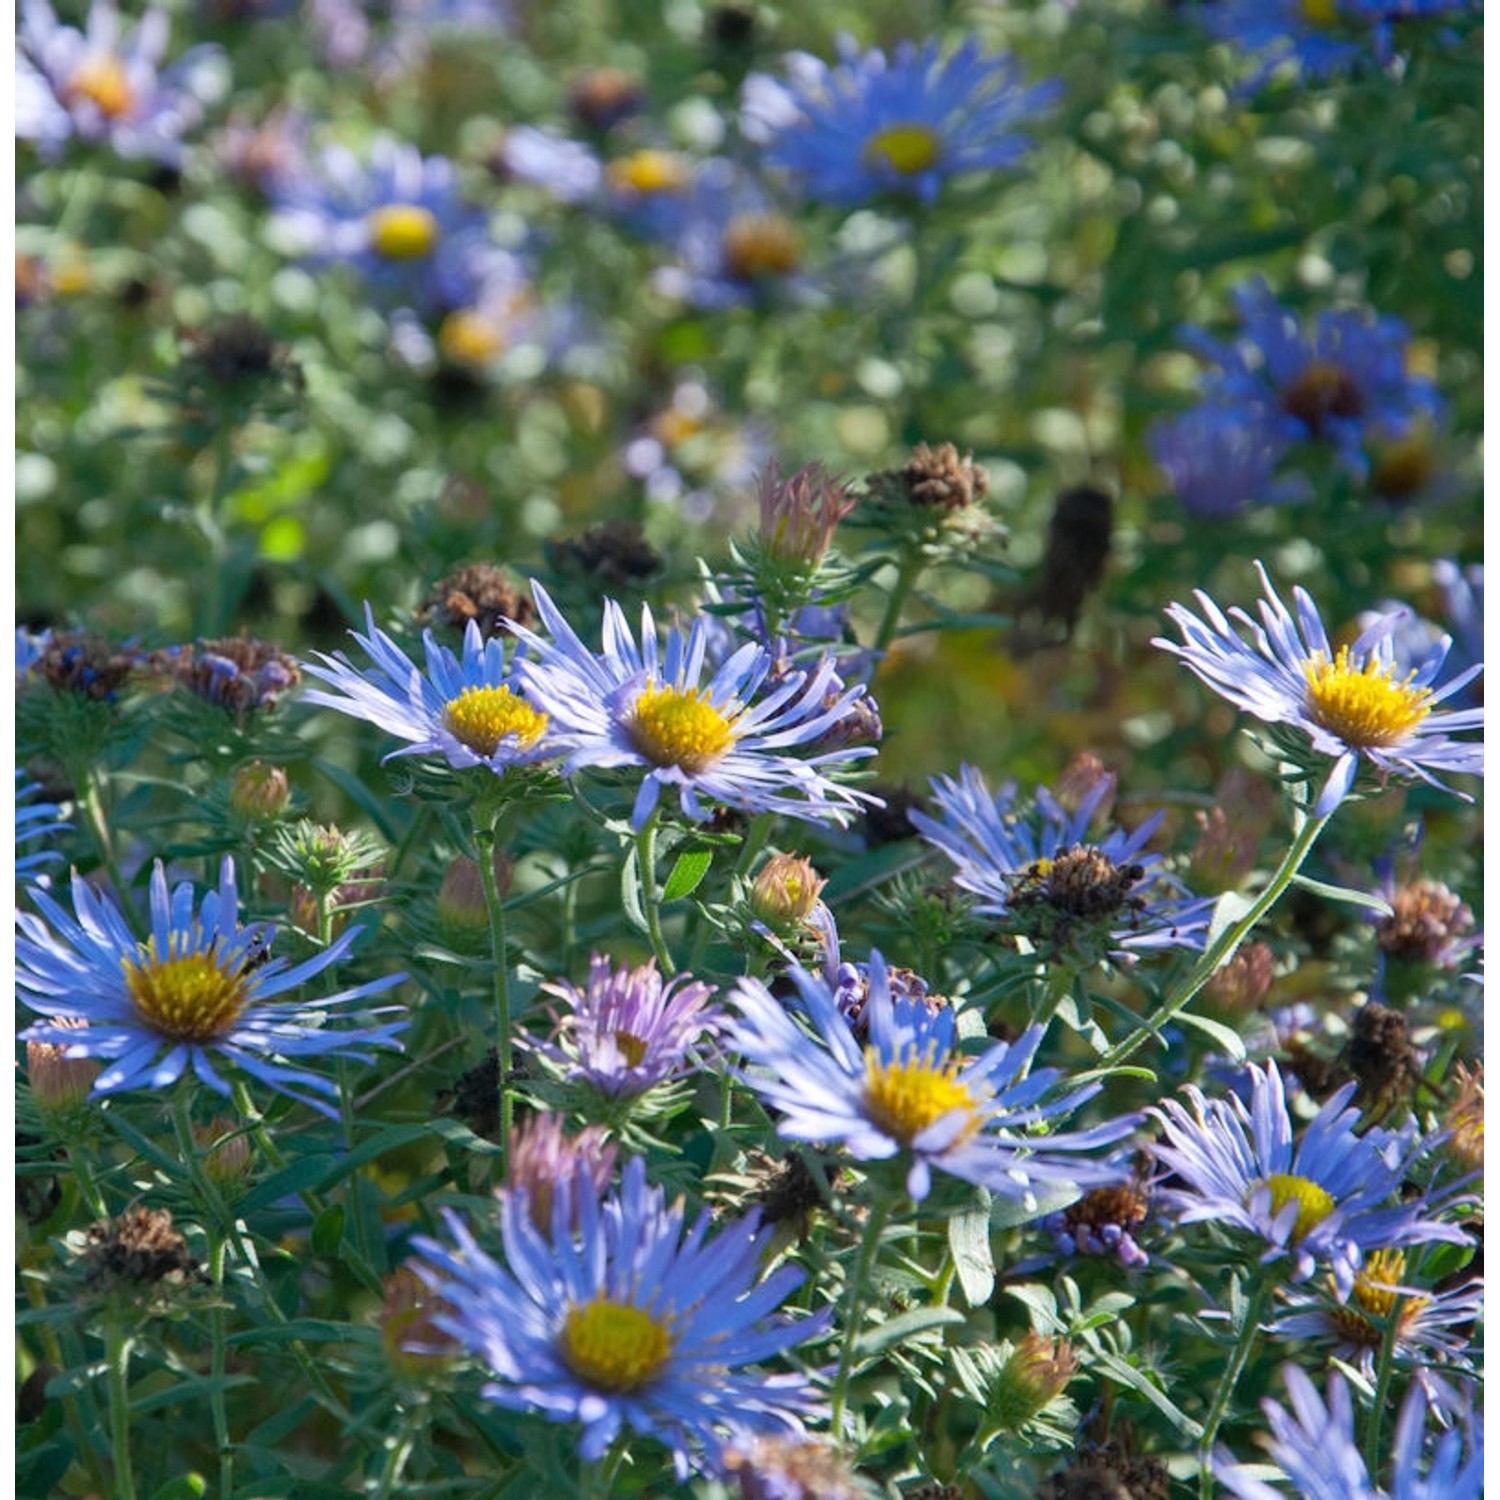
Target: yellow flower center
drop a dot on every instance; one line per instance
(1365, 706)
(672, 427)
(649, 171)
(908, 148)
(1362, 1320)
(402, 231)
(904, 1097)
(679, 727)
(614, 1346)
(632, 1048)
(185, 997)
(761, 245)
(102, 81)
(1314, 1203)
(1320, 12)
(469, 338)
(480, 717)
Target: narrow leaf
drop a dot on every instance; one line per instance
(687, 874)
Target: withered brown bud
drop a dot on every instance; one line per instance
(1380, 1055)
(1244, 981)
(139, 1248)
(614, 554)
(938, 477)
(478, 592)
(602, 97)
(74, 661)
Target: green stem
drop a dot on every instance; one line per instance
(1059, 979)
(402, 1441)
(117, 1362)
(853, 1299)
(484, 849)
(1383, 1371)
(88, 781)
(910, 570)
(1239, 1356)
(211, 520)
(1223, 948)
(646, 870)
(216, 1329)
(88, 1187)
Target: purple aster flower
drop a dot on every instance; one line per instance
(1221, 460)
(648, 190)
(874, 125)
(199, 992)
(1353, 704)
(626, 1322)
(1330, 1199)
(1316, 37)
(35, 820)
(1045, 876)
(1314, 1447)
(904, 1089)
(470, 710)
(566, 168)
(628, 1030)
(1105, 1221)
(646, 708)
(104, 84)
(1337, 379)
(398, 219)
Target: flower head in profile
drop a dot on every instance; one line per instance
(106, 84)
(629, 1029)
(1330, 1198)
(468, 709)
(1314, 1446)
(874, 125)
(1354, 704)
(729, 740)
(36, 822)
(626, 1321)
(397, 217)
(198, 994)
(906, 1090)
(1048, 877)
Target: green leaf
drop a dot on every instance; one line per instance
(392, 1138)
(1225, 1036)
(969, 1240)
(687, 874)
(1345, 894)
(309, 1331)
(1231, 907)
(328, 1231)
(908, 1326)
(1123, 1373)
(299, 1177)
(630, 890)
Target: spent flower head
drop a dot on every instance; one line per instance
(626, 1322)
(199, 994)
(1353, 704)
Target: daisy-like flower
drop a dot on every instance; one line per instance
(874, 125)
(538, 154)
(1353, 704)
(469, 710)
(105, 84)
(1046, 877)
(397, 218)
(647, 707)
(904, 1089)
(1328, 1199)
(1219, 462)
(35, 821)
(627, 1030)
(199, 992)
(1313, 1445)
(1338, 379)
(625, 1322)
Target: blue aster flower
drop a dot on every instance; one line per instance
(470, 710)
(874, 125)
(1353, 704)
(624, 1321)
(1313, 1445)
(1317, 38)
(1330, 1199)
(199, 992)
(904, 1089)
(728, 740)
(1221, 460)
(628, 1030)
(397, 218)
(105, 84)
(1044, 874)
(35, 820)
(1339, 379)
(566, 168)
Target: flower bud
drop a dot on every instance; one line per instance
(227, 1148)
(258, 792)
(59, 1084)
(785, 892)
(414, 1347)
(542, 1154)
(798, 515)
(1465, 1120)
(462, 914)
(1033, 1376)
(1245, 980)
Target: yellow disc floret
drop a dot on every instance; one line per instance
(614, 1346)
(679, 727)
(102, 81)
(469, 338)
(904, 1096)
(1365, 705)
(481, 717)
(403, 231)
(909, 149)
(1314, 1203)
(761, 245)
(649, 171)
(1320, 12)
(185, 997)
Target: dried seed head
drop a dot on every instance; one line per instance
(1426, 919)
(139, 1248)
(614, 554)
(936, 477)
(1245, 980)
(478, 592)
